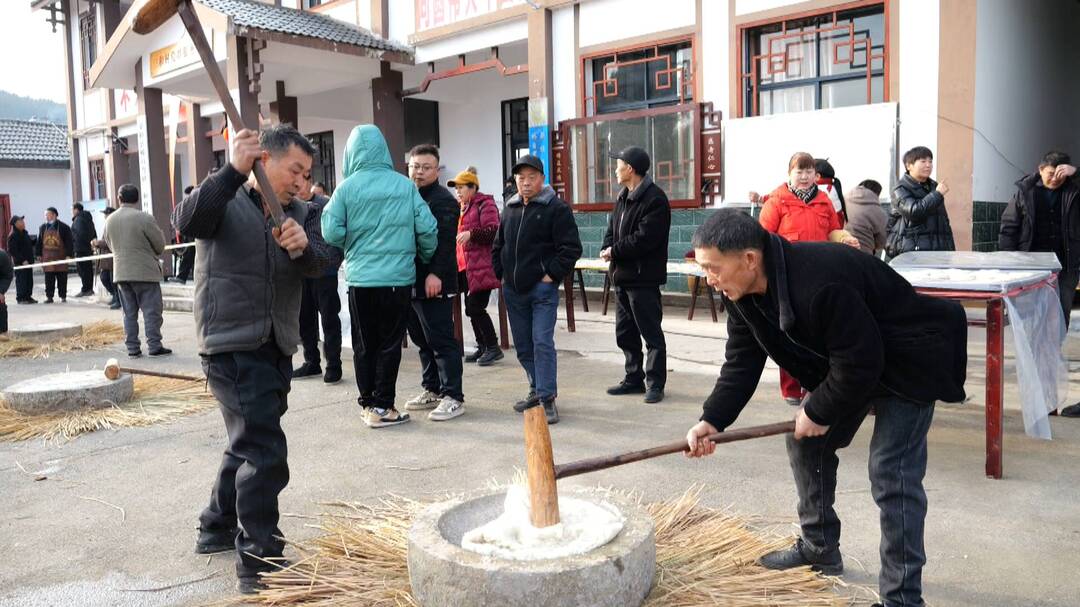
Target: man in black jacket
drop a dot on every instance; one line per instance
(857, 336)
(83, 233)
(1044, 215)
(535, 249)
(247, 327)
(636, 244)
(431, 322)
(22, 253)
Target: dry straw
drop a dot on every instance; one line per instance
(155, 400)
(95, 336)
(704, 557)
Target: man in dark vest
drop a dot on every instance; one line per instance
(247, 310)
(857, 336)
(636, 245)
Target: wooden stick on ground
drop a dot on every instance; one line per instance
(113, 370)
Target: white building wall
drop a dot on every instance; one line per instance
(918, 50)
(473, 40)
(743, 7)
(563, 65)
(715, 68)
(1026, 91)
(470, 130)
(34, 190)
(402, 20)
(346, 11)
(602, 21)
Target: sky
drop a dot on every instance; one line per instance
(33, 64)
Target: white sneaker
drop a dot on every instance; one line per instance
(427, 400)
(448, 408)
(381, 418)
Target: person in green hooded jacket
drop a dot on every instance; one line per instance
(379, 219)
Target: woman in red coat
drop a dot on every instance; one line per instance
(800, 212)
(476, 231)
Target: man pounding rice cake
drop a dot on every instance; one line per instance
(858, 337)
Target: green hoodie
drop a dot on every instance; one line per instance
(377, 217)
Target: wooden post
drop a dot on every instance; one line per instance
(540, 469)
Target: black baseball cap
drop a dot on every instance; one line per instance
(15, 218)
(634, 156)
(528, 160)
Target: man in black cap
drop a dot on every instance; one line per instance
(21, 249)
(535, 249)
(636, 244)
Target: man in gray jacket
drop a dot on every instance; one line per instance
(136, 242)
(247, 311)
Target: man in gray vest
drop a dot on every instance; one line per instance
(136, 242)
(247, 310)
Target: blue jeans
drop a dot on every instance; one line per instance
(897, 467)
(532, 322)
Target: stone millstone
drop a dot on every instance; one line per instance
(68, 392)
(443, 574)
(47, 332)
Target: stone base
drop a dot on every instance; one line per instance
(68, 392)
(46, 332)
(442, 574)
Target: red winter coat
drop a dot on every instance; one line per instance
(786, 214)
(481, 219)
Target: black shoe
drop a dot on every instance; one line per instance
(550, 410)
(84, 294)
(252, 584)
(475, 356)
(160, 351)
(48, 300)
(1070, 411)
(654, 395)
(307, 371)
(213, 543)
(490, 356)
(115, 305)
(626, 388)
(529, 401)
(799, 556)
(135, 354)
(63, 300)
(31, 300)
(332, 376)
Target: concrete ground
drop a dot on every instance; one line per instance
(1011, 542)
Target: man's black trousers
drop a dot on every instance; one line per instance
(321, 300)
(638, 315)
(252, 391)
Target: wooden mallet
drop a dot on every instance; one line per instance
(149, 17)
(543, 473)
(113, 371)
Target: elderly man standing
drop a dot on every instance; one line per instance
(136, 242)
(379, 219)
(636, 244)
(857, 336)
(246, 322)
(535, 248)
(55, 243)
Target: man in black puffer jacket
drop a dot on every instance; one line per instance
(857, 336)
(918, 220)
(636, 244)
(535, 249)
(84, 234)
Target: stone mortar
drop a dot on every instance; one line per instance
(68, 392)
(443, 574)
(46, 332)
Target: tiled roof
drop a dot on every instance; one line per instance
(33, 143)
(257, 15)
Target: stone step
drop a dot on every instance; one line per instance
(178, 304)
(170, 289)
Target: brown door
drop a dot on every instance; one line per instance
(5, 219)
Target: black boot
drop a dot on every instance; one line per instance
(799, 555)
(475, 356)
(490, 355)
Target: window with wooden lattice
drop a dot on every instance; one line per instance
(639, 77)
(88, 42)
(833, 59)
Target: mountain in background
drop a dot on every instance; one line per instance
(24, 108)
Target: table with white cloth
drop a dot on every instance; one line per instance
(1024, 285)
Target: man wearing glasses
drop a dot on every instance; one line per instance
(431, 322)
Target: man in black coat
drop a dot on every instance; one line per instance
(21, 249)
(431, 323)
(857, 336)
(636, 244)
(1044, 215)
(84, 234)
